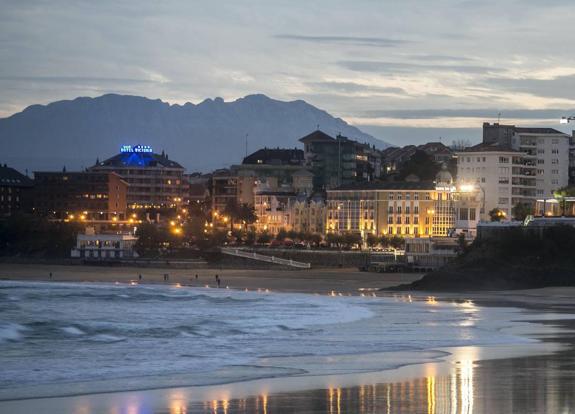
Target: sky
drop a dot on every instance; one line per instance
(405, 71)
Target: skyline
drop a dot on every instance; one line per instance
(394, 70)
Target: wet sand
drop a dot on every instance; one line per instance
(538, 379)
(304, 281)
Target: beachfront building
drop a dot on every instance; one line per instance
(273, 209)
(407, 209)
(155, 180)
(307, 214)
(92, 246)
(14, 191)
(84, 196)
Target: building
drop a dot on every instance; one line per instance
(546, 147)
(503, 176)
(97, 196)
(277, 169)
(93, 246)
(14, 191)
(307, 214)
(394, 158)
(273, 209)
(155, 180)
(338, 161)
(406, 209)
(430, 253)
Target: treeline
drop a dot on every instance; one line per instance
(30, 235)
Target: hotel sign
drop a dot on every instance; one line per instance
(136, 148)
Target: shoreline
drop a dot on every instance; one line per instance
(555, 301)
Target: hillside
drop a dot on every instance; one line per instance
(201, 137)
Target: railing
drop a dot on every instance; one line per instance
(263, 258)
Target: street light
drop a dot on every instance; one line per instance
(566, 119)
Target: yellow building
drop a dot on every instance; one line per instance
(407, 209)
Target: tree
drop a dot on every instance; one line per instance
(421, 165)
(333, 239)
(247, 215)
(521, 210)
(561, 195)
(264, 238)
(313, 238)
(462, 243)
(372, 240)
(397, 242)
(496, 214)
(282, 234)
(351, 239)
(150, 239)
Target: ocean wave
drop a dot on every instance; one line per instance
(11, 332)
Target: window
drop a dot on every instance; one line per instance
(540, 151)
(555, 181)
(390, 230)
(504, 170)
(540, 161)
(416, 196)
(483, 159)
(407, 220)
(463, 213)
(540, 172)
(398, 209)
(399, 196)
(503, 190)
(427, 220)
(478, 159)
(416, 220)
(389, 219)
(555, 141)
(415, 209)
(555, 172)
(482, 179)
(416, 231)
(503, 200)
(503, 180)
(406, 209)
(504, 160)
(390, 210)
(555, 161)
(398, 220)
(472, 214)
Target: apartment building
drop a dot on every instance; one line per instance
(340, 160)
(503, 175)
(546, 147)
(91, 195)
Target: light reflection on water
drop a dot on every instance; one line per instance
(451, 393)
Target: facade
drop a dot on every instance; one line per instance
(338, 161)
(15, 189)
(430, 253)
(406, 209)
(155, 180)
(92, 195)
(547, 148)
(104, 246)
(273, 209)
(307, 214)
(503, 175)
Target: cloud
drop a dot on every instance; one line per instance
(487, 113)
(354, 87)
(559, 87)
(404, 67)
(346, 40)
(76, 80)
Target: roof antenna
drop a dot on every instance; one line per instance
(318, 127)
(499, 117)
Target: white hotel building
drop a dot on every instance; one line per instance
(515, 165)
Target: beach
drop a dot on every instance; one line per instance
(530, 377)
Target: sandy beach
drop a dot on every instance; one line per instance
(532, 378)
(304, 281)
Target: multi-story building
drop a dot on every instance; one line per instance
(273, 209)
(14, 191)
(307, 214)
(407, 209)
(155, 180)
(546, 147)
(503, 175)
(337, 161)
(90, 195)
(277, 169)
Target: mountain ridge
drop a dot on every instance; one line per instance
(207, 135)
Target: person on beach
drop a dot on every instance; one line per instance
(50, 275)
(219, 280)
(140, 277)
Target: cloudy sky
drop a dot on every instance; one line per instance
(402, 70)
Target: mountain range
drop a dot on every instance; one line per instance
(201, 137)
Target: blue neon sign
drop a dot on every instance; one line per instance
(136, 148)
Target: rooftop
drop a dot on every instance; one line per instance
(482, 147)
(9, 177)
(277, 156)
(316, 136)
(387, 185)
(139, 159)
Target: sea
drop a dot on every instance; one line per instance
(63, 339)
